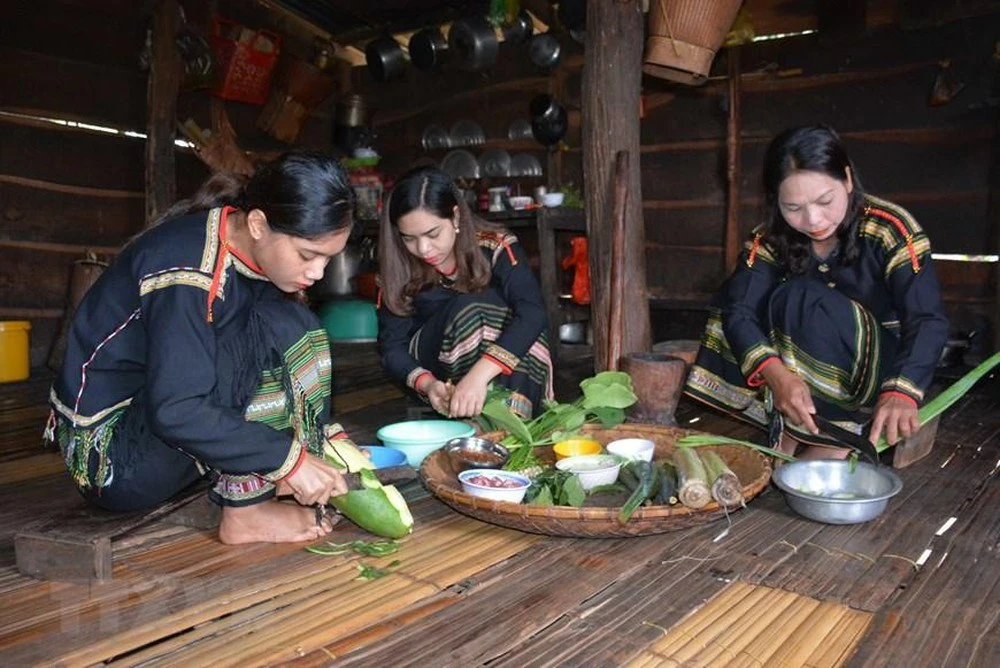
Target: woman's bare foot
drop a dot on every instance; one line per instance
(823, 452)
(272, 522)
(788, 446)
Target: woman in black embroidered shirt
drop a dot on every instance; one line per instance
(834, 305)
(188, 356)
(460, 307)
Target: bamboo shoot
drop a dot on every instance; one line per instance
(692, 480)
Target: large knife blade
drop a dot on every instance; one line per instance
(855, 442)
(390, 475)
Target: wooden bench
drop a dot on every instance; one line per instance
(78, 544)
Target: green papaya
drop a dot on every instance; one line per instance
(379, 509)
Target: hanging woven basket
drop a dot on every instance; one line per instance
(684, 36)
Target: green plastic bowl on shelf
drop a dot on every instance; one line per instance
(349, 320)
(418, 438)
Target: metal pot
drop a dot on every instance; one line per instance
(351, 111)
(386, 58)
(474, 43)
(338, 278)
(520, 30)
(549, 121)
(428, 49)
(545, 51)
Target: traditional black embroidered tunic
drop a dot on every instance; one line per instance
(449, 331)
(183, 344)
(851, 332)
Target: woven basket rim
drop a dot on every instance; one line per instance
(456, 498)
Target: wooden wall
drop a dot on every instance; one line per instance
(66, 192)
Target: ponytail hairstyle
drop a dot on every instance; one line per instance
(402, 274)
(812, 148)
(304, 195)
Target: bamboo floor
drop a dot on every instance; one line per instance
(918, 586)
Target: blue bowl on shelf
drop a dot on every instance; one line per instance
(383, 457)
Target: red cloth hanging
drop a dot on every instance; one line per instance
(580, 261)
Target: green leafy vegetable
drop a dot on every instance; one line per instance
(375, 548)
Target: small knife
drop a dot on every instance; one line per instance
(855, 442)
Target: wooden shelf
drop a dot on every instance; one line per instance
(506, 144)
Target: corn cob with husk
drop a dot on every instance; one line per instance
(726, 487)
(692, 479)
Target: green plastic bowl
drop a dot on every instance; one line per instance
(349, 320)
(418, 438)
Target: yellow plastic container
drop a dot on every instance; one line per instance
(575, 447)
(14, 359)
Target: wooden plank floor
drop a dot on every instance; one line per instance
(918, 586)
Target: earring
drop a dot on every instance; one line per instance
(456, 229)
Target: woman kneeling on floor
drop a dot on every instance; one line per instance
(834, 307)
(460, 307)
(190, 356)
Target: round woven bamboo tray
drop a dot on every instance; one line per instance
(751, 467)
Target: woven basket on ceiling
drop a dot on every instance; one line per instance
(751, 467)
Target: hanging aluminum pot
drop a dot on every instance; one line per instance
(545, 50)
(386, 58)
(549, 120)
(428, 49)
(520, 29)
(474, 43)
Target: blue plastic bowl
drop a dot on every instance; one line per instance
(383, 457)
(419, 438)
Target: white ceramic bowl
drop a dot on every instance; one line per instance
(593, 470)
(553, 199)
(520, 202)
(635, 449)
(509, 494)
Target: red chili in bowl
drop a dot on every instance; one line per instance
(492, 481)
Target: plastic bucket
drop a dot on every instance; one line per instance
(14, 358)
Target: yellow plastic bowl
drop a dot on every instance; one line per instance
(575, 447)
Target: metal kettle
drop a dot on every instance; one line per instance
(338, 278)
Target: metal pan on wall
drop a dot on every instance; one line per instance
(473, 43)
(428, 49)
(386, 58)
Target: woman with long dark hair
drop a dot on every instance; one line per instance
(834, 307)
(189, 356)
(460, 307)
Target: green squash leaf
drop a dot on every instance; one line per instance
(572, 492)
(499, 413)
(609, 417)
(607, 396)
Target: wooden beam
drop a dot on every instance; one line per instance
(612, 75)
(841, 18)
(734, 172)
(161, 110)
(993, 215)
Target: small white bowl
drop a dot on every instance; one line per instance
(636, 449)
(509, 494)
(552, 200)
(593, 470)
(521, 202)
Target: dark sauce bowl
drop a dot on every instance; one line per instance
(475, 453)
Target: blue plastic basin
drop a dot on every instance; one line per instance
(383, 457)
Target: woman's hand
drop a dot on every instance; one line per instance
(469, 397)
(439, 395)
(315, 481)
(470, 393)
(791, 395)
(897, 416)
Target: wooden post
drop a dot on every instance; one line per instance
(612, 70)
(161, 110)
(734, 172)
(616, 319)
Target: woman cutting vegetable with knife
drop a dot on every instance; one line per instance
(189, 356)
(460, 307)
(834, 308)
